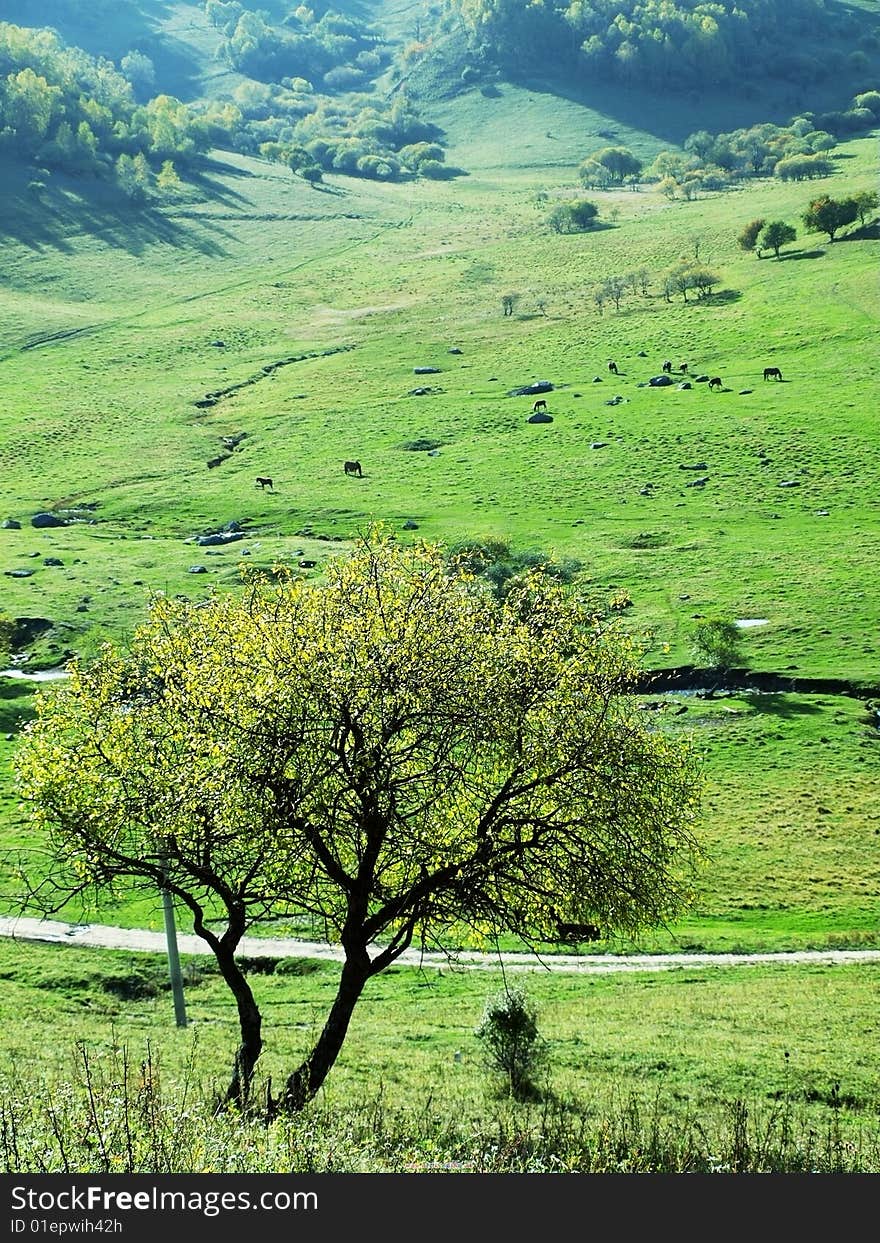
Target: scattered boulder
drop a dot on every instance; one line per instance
(307, 565)
(220, 345)
(698, 483)
(790, 483)
(221, 537)
(18, 573)
(218, 461)
(47, 520)
(409, 525)
(597, 379)
(642, 354)
(701, 379)
(425, 370)
(433, 453)
(454, 350)
(599, 444)
(528, 390)
(198, 569)
(422, 392)
(660, 381)
(695, 466)
(685, 385)
(744, 392)
(52, 561)
(10, 524)
(540, 417)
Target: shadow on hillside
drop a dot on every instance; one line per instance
(64, 216)
(779, 705)
(867, 233)
(723, 297)
(801, 254)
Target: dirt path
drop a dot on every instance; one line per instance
(107, 937)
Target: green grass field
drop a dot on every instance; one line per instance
(108, 332)
(792, 1043)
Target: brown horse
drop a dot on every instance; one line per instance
(354, 468)
(539, 405)
(612, 367)
(715, 382)
(265, 482)
(772, 373)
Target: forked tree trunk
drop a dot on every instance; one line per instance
(250, 1023)
(307, 1079)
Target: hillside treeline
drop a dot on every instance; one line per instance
(333, 50)
(64, 109)
(671, 45)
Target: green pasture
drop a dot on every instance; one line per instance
(686, 1043)
(326, 301)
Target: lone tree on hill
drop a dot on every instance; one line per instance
(827, 215)
(777, 234)
(393, 752)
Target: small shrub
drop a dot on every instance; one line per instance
(718, 641)
(508, 1032)
(297, 966)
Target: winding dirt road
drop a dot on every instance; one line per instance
(107, 937)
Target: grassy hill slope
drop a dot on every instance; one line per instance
(305, 314)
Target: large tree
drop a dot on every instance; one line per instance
(395, 752)
(619, 161)
(776, 235)
(827, 215)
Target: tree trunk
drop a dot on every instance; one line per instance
(306, 1080)
(250, 1023)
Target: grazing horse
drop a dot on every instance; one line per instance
(772, 373)
(667, 366)
(715, 382)
(612, 367)
(354, 468)
(265, 483)
(683, 368)
(539, 405)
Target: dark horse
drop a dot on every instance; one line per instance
(354, 468)
(772, 373)
(539, 405)
(715, 382)
(612, 367)
(667, 366)
(265, 482)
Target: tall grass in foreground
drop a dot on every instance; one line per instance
(115, 1116)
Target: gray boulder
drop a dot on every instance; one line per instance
(528, 390)
(10, 524)
(222, 537)
(540, 417)
(660, 381)
(47, 520)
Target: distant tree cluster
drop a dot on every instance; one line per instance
(824, 215)
(381, 141)
(574, 216)
(672, 45)
(609, 166)
(614, 289)
(63, 109)
(309, 101)
(794, 152)
(335, 50)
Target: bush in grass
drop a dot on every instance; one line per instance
(718, 642)
(512, 1044)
